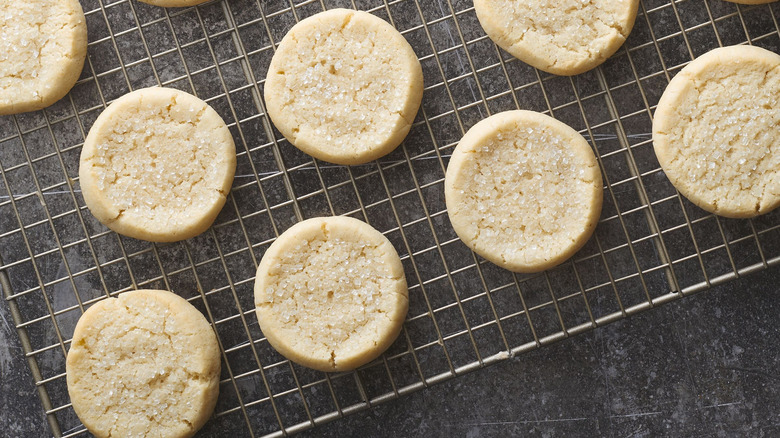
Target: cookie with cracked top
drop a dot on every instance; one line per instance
(523, 190)
(157, 165)
(716, 131)
(43, 44)
(145, 363)
(330, 293)
(562, 37)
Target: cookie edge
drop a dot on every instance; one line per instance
(68, 74)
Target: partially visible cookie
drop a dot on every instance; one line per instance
(523, 190)
(331, 293)
(143, 364)
(716, 131)
(157, 165)
(43, 44)
(563, 37)
(752, 2)
(344, 86)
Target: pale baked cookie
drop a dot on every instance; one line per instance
(157, 165)
(563, 37)
(716, 131)
(344, 86)
(174, 3)
(331, 293)
(43, 44)
(523, 190)
(144, 364)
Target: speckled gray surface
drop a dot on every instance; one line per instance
(704, 366)
(22, 413)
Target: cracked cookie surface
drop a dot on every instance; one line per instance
(563, 37)
(344, 86)
(331, 293)
(157, 165)
(716, 131)
(43, 44)
(523, 190)
(143, 364)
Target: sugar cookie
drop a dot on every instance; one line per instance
(331, 293)
(344, 86)
(143, 364)
(563, 37)
(523, 190)
(43, 44)
(157, 165)
(716, 131)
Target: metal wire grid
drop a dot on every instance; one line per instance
(651, 245)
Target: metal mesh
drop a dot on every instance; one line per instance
(651, 246)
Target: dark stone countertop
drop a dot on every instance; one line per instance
(707, 365)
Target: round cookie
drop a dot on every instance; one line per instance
(563, 37)
(174, 3)
(716, 131)
(331, 293)
(344, 86)
(143, 364)
(43, 44)
(523, 190)
(157, 165)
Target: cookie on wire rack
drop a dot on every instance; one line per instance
(157, 165)
(145, 363)
(716, 131)
(563, 37)
(344, 86)
(523, 190)
(43, 44)
(331, 293)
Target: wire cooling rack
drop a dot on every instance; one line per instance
(651, 246)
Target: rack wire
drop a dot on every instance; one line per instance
(651, 246)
